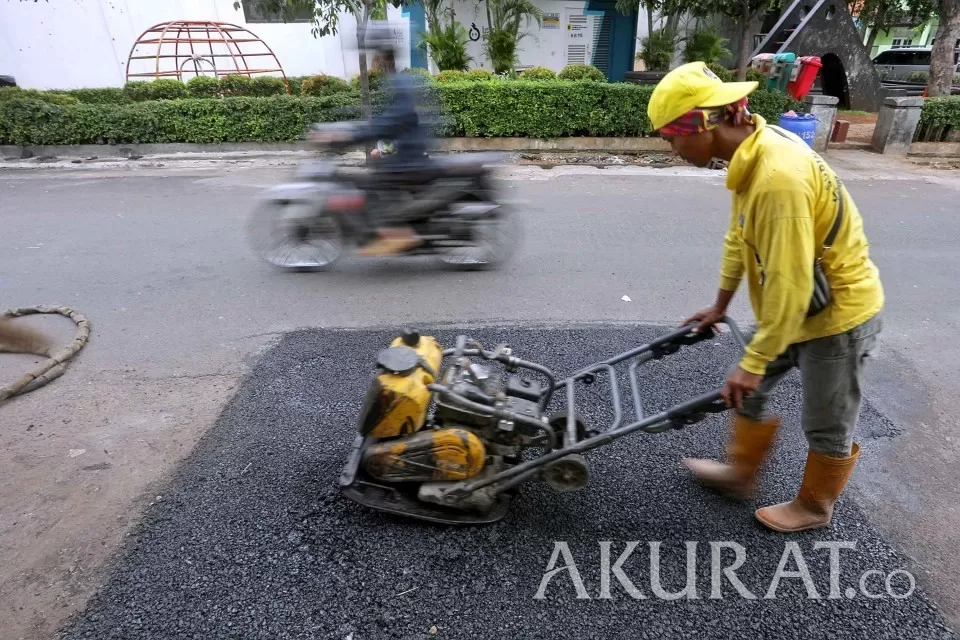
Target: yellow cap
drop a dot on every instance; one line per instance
(691, 86)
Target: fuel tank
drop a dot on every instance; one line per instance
(398, 398)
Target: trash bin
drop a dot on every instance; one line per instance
(809, 68)
(779, 76)
(762, 62)
(803, 125)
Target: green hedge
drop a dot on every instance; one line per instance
(525, 108)
(545, 109)
(941, 112)
(273, 119)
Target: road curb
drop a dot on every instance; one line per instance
(137, 151)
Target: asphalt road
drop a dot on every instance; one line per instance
(251, 540)
(180, 309)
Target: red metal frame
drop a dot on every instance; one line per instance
(188, 32)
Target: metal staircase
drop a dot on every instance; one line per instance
(791, 22)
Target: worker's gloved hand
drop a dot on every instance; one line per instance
(706, 318)
(740, 384)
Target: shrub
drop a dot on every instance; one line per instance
(538, 73)
(756, 75)
(243, 119)
(582, 72)
(545, 109)
(48, 97)
(451, 76)
(706, 45)
(772, 104)
(323, 85)
(722, 72)
(295, 82)
(657, 49)
(203, 87)
(529, 108)
(106, 95)
(941, 112)
(447, 46)
(375, 78)
(235, 85)
(418, 71)
(920, 77)
(479, 74)
(162, 89)
(263, 86)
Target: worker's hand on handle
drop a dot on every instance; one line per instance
(740, 384)
(706, 318)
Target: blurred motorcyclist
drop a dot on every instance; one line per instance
(399, 126)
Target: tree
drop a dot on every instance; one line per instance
(503, 19)
(942, 57)
(748, 14)
(881, 15)
(326, 20)
(446, 44)
(629, 7)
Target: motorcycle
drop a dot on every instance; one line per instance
(311, 222)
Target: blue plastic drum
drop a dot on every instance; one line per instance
(803, 124)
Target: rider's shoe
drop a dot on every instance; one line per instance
(390, 242)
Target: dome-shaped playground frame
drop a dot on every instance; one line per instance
(182, 49)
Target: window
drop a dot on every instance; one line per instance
(254, 13)
(901, 42)
(884, 58)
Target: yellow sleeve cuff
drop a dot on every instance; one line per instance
(752, 363)
(728, 283)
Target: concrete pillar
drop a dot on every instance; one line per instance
(825, 108)
(896, 125)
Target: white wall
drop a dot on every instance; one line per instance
(67, 44)
(545, 45)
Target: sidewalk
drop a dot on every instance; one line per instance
(853, 157)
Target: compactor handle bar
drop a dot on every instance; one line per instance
(685, 413)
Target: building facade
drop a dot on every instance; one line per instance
(66, 45)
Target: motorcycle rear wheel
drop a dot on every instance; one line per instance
(494, 239)
(292, 235)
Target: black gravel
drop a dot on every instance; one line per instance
(252, 540)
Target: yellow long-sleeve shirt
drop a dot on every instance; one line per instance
(784, 204)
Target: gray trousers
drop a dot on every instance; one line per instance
(831, 370)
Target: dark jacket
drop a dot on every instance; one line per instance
(399, 123)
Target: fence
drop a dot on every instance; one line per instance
(932, 132)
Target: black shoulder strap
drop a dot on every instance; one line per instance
(836, 223)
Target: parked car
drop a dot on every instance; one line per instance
(900, 63)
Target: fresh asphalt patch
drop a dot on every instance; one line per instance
(251, 538)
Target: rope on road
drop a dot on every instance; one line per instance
(55, 364)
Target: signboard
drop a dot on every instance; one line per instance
(551, 21)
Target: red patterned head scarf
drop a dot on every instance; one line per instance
(697, 121)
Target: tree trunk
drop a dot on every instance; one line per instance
(649, 8)
(673, 21)
(746, 46)
(876, 28)
(364, 78)
(872, 40)
(365, 105)
(942, 68)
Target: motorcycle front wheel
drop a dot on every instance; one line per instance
(493, 238)
(294, 235)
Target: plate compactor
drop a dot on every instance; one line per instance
(489, 429)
